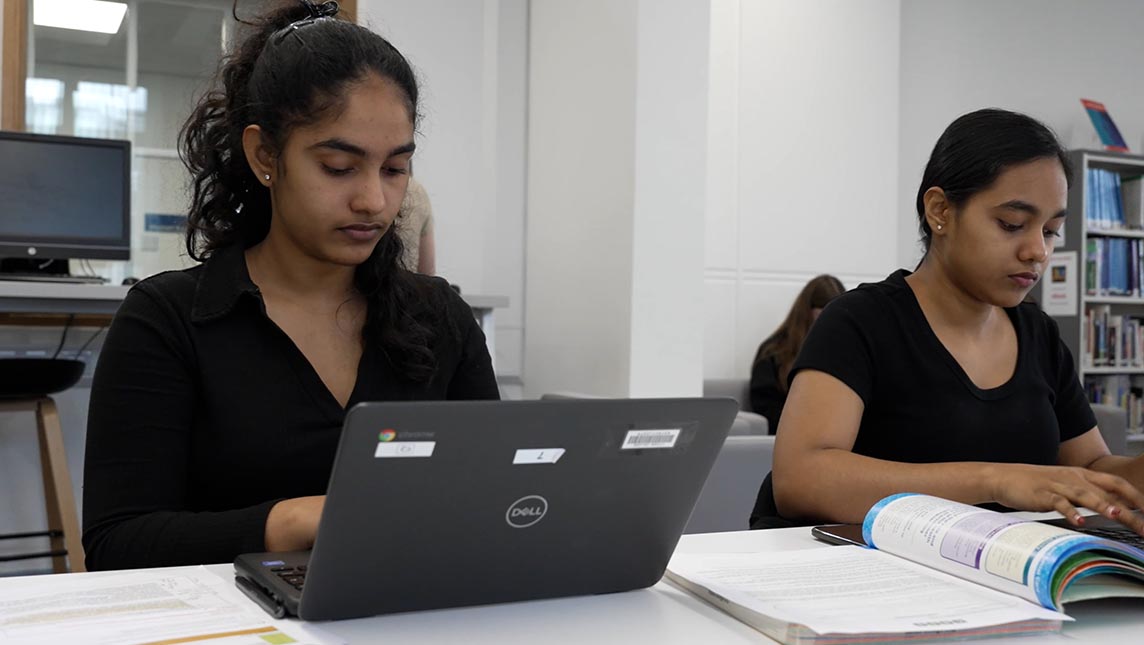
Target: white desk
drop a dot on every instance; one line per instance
(103, 300)
(56, 298)
(662, 615)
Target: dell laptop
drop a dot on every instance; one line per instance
(448, 504)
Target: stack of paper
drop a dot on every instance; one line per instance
(159, 607)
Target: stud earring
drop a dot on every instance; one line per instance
(268, 179)
(938, 226)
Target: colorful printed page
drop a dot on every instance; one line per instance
(1044, 564)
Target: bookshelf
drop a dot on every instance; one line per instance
(1102, 374)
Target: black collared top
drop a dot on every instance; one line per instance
(204, 414)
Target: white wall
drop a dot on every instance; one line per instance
(471, 59)
(581, 154)
(616, 196)
(1034, 56)
(803, 160)
(672, 81)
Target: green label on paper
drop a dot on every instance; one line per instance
(278, 638)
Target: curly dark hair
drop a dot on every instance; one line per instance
(290, 69)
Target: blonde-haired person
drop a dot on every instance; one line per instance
(776, 354)
(415, 226)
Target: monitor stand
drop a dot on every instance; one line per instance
(47, 270)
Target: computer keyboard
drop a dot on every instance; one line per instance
(56, 278)
(293, 576)
(1125, 535)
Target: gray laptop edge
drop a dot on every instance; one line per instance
(448, 504)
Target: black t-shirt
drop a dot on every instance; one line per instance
(204, 414)
(920, 405)
(767, 398)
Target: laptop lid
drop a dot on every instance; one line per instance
(444, 504)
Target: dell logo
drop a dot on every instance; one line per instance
(526, 511)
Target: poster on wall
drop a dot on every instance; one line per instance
(1059, 285)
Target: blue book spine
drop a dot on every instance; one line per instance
(1101, 210)
(1105, 203)
(1117, 265)
(1116, 200)
(1090, 198)
(1105, 263)
(1122, 267)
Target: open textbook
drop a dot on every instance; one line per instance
(936, 569)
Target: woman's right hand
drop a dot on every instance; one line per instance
(1063, 488)
(292, 524)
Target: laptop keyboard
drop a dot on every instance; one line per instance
(293, 576)
(1120, 535)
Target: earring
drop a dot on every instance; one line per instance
(938, 226)
(267, 177)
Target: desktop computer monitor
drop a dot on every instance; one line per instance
(63, 198)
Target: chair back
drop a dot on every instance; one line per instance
(1113, 423)
(736, 388)
(729, 494)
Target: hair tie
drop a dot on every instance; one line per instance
(323, 11)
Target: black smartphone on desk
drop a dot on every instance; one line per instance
(839, 534)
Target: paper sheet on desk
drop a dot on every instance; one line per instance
(852, 590)
(140, 607)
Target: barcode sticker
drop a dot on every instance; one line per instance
(648, 439)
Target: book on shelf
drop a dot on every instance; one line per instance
(1113, 202)
(1120, 390)
(1105, 127)
(1132, 200)
(1110, 340)
(1114, 267)
(936, 569)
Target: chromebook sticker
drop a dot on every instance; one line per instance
(398, 449)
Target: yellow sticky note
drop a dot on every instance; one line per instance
(278, 638)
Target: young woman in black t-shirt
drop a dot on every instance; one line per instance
(942, 381)
(775, 356)
(220, 393)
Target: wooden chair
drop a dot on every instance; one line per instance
(59, 500)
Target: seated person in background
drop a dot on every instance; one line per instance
(776, 354)
(415, 226)
(945, 381)
(220, 393)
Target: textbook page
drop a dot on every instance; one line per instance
(184, 605)
(990, 548)
(853, 590)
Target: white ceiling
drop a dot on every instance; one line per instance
(182, 39)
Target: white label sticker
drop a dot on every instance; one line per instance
(405, 449)
(538, 456)
(653, 438)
